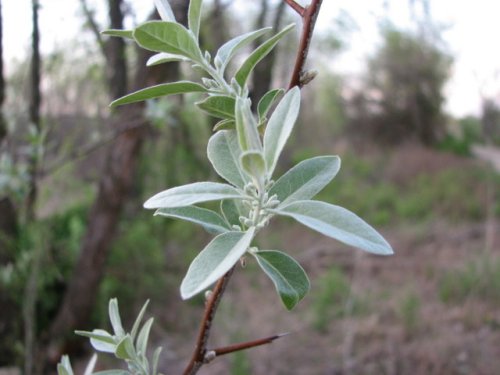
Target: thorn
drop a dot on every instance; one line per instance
(247, 345)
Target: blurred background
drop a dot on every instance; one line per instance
(408, 94)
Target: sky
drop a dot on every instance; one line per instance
(471, 34)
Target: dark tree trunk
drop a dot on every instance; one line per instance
(3, 124)
(35, 102)
(115, 53)
(263, 73)
(114, 189)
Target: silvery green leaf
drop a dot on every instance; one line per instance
(128, 34)
(208, 219)
(267, 101)
(89, 369)
(125, 348)
(306, 179)
(194, 16)
(169, 37)
(289, 278)
(114, 317)
(217, 258)
(220, 106)
(143, 337)
(246, 126)
(138, 321)
(156, 358)
(256, 56)
(163, 57)
(230, 212)
(254, 164)
(64, 367)
(230, 48)
(157, 91)
(187, 195)
(165, 10)
(100, 340)
(337, 222)
(224, 153)
(280, 126)
(227, 124)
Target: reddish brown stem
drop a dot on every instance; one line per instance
(309, 17)
(247, 345)
(198, 357)
(296, 7)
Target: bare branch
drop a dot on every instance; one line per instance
(198, 358)
(247, 345)
(296, 7)
(309, 22)
(89, 15)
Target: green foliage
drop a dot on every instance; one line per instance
(479, 278)
(245, 156)
(329, 300)
(409, 312)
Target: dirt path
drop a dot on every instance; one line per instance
(490, 154)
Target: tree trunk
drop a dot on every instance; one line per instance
(114, 188)
(35, 102)
(3, 124)
(115, 53)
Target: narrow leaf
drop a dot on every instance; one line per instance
(61, 370)
(168, 37)
(339, 223)
(163, 57)
(100, 340)
(230, 48)
(156, 359)
(190, 194)
(246, 126)
(246, 68)
(230, 212)
(157, 91)
(114, 317)
(64, 367)
(218, 257)
(227, 124)
(280, 126)
(194, 16)
(224, 153)
(266, 102)
(208, 219)
(138, 321)
(306, 179)
(165, 10)
(289, 278)
(125, 348)
(220, 106)
(254, 164)
(143, 337)
(128, 34)
(89, 369)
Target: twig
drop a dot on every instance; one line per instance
(309, 17)
(246, 345)
(200, 354)
(93, 26)
(296, 7)
(198, 357)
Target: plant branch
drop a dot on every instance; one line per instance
(200, 354)
(246, 345)
(89, 15)
(309, 17)
(198, 357)
(296, 7)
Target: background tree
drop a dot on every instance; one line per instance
(402, 96)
